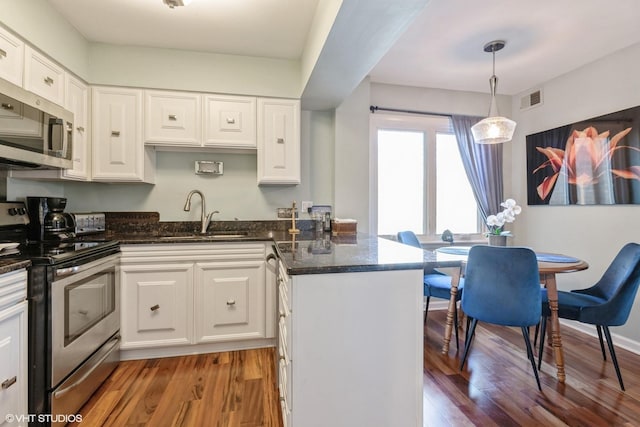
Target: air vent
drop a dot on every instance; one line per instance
(531, 100)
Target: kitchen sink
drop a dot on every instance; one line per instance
(219, 235)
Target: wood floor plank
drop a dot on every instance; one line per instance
(496, 387)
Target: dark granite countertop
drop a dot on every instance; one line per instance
(7, 265)
(308, 253)
(348, 254)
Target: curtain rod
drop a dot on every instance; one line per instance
(374, 108)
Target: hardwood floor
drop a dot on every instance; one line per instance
(217, 389)
(497, 387)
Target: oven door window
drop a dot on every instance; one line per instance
(86, 303)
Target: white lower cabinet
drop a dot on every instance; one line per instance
(156, 304)
(193, 298)
(230, 300)
(13, 348)
(350, 348)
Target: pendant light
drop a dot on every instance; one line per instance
(494, 129)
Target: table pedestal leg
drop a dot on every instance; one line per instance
(455, 280)
(556, 341)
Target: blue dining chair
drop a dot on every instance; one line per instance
(502, 287)
(436, 285)
(607, 303)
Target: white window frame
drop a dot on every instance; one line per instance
(430, 126)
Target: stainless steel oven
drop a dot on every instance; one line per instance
(85, 315)
(74, 314)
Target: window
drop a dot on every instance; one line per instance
(419, 179)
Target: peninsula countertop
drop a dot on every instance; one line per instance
(344, 254)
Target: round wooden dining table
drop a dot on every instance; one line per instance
(549, 264)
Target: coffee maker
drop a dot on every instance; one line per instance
(47, 218)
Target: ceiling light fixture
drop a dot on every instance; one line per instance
(174, 3)
(494, 129)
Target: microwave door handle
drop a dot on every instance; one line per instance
(56, 134)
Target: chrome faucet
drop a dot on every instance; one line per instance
(205, 218)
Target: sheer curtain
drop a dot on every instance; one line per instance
(483, 165)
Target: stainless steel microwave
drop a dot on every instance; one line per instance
(34, 132)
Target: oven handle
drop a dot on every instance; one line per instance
(59, 393)
(68, 271)
(60, 272)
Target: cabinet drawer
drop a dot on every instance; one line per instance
(230, 121)
(284, 384)
(284, 330)
(43, 77)
(172, 118)
(286, 413)
(11, 57)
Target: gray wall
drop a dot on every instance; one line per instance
(593, 233)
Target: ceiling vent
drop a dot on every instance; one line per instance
(531, 99)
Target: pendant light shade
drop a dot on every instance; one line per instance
(495, 129)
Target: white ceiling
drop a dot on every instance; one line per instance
(266, 28)
(442, 48)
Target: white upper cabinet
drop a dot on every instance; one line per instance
(11, 57)
(172, 118)
(43, 77)
(77, 101)
(229, 121)
(278, 141)
(180, 119)
(119, 154)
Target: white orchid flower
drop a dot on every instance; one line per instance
(508, 215)
(512, 206)
(492, 221)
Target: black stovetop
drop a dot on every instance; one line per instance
(62, 251)
(64, 247)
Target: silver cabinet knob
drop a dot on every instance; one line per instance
(154, 307)
(231, 302)
(173, 117)
(7, 106)
(48, 80)
(8, 383)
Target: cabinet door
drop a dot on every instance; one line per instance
(156, 305)
(278, 141)
(229, 121)
(77, 101)
(172, 118)
(230, 300)
(118, 149)
(43, 76)
(11, 57)
(13, 369)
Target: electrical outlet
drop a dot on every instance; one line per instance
(306, 206)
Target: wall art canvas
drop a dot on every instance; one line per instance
(592, 162)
